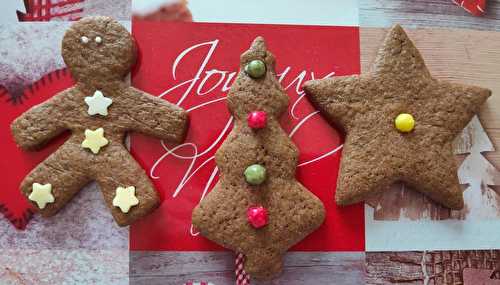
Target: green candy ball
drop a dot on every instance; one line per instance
(255, 174)
(255, 68)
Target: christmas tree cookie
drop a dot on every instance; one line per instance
(258, 208)
(99, 110)
(399, 124)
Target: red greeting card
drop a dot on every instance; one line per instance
(193, 66)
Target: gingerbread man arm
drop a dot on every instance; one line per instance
(40, 124)
(156, 117)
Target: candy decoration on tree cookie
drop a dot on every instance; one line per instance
(255, 68)
(417, 148)
(258, 208)
(99, 52)
(255, 174)
(257, 120)
(257, 216)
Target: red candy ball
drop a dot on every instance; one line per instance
(257, 119)
(257, 216)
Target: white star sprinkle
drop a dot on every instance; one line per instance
(94, 140)
(41, 194)
(125, 198)
(98, 104)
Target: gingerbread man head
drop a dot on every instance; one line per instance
(98, 49)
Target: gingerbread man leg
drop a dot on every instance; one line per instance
(126, 188)
(55, 181)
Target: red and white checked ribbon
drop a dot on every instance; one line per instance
(46, 10)
(242, 278)
(475, 7)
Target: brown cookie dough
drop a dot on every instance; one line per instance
(291, 211)
(99, 110)
(376, 153)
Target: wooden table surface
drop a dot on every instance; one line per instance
(174, 268)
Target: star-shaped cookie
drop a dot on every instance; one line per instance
(377, 154)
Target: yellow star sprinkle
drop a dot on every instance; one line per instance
(94, 140)
(41, 194)
(125, 198)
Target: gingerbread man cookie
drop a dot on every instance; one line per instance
(258, 208)
(99, 110)
(400, 123)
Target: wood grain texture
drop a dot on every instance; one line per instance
(426, 13)
(300, 268)
(433, 267)
(47, 267)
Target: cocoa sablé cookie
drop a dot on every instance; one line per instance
(99, 110)
(399, 124)
(258, 207)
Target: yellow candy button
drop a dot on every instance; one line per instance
(404, 123)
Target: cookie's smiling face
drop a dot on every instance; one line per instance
(98, 49)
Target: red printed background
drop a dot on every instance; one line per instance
(193, 65)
